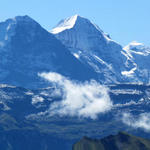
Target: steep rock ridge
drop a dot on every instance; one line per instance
(93, 47)
(27, 49)
(77, 49)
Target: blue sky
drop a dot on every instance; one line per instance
(124, 20)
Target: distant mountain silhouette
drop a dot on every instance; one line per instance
(121, 141)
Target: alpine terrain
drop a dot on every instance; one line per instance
(27, 49)
(71, 82)
(88, 43)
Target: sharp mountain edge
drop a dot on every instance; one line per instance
(27, 49)
(88, 43)
(75, 48)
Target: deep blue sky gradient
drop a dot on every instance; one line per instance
(124, 20)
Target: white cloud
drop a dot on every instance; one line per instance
(86, 99)
(140, 121)
(37, 99)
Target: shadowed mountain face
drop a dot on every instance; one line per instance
(121, 141)
(27, 49)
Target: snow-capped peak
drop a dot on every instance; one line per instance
(65, 24)
(133, 45)
(81, 23)
(137, 48)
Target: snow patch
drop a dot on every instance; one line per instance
(133, 45)
(103, 62)
(29, 93)
(76, 55)
(126, 91)
(5, 85)
(65, 24)
(129, 73)
(131, 103)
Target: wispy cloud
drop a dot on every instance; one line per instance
(140, 121)
(86, 99)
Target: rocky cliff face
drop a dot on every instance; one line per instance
(27, 49)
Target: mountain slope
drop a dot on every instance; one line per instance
(92, 47)
(138, 55)
(121, 141)
(88, 43)
(27, 49)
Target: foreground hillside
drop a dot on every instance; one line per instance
(121, 141)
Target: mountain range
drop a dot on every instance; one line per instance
(75, 48)
(27, 49)
(113, 63)
(45, 115)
